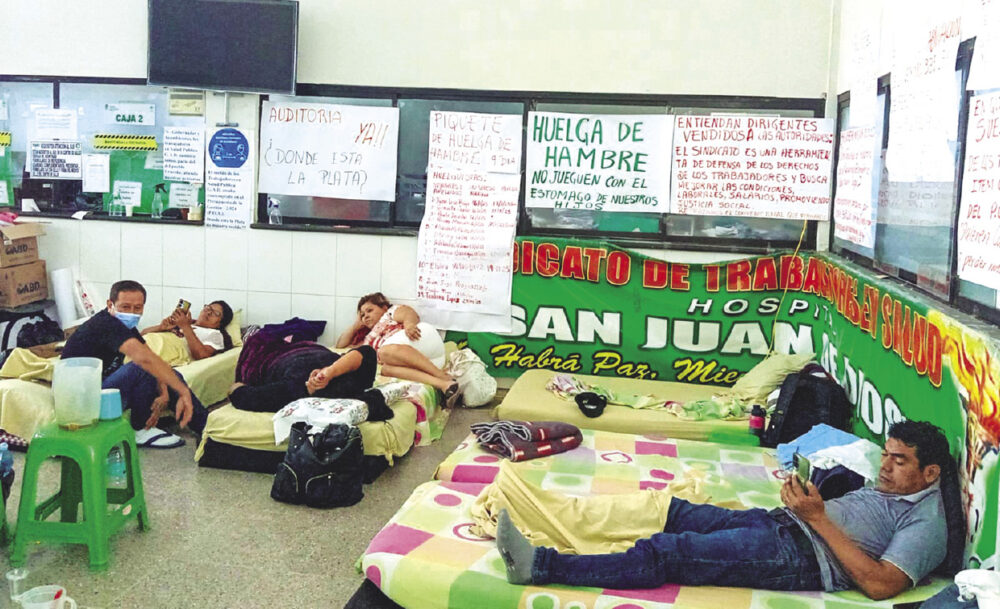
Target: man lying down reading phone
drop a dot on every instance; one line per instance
(880, 540)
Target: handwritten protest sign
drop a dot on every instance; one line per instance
(58, 160)
(762, 167)
(922, 115)
(600, 162)
(328, 150)
(464, 249)
(979, 216)
(853, 208)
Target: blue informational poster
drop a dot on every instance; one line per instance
(228, 148)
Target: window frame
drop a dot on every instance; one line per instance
(965, 304)
(529, 101)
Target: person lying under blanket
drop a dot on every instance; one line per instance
(202, 337)
(881, 540)
(273, 372)
(407, 348)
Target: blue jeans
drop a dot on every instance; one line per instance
(948, 599)
(700, 545)
(139, 388)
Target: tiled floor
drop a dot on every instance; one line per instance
(219, 541)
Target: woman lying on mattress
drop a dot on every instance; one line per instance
(203, 337)
(407, 348)
(281, 363)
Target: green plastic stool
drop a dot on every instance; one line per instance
(4, 527)
(83, 454)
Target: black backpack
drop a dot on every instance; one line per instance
(321, 470)
(806, 400)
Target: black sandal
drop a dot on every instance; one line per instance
(452, 395)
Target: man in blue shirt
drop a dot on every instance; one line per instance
(879, 540)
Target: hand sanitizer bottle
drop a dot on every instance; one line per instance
(273, 211)
(158, 201)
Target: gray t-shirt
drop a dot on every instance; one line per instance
(907, 530)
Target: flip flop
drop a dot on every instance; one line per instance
(157, 438)
(452, 395)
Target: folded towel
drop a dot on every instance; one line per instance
(826, 447)
(523, 440)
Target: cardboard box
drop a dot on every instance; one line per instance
(23, 284)
(19, 243)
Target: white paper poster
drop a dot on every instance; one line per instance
(96, 172)
(762, 167)
(328, 150)
(4, 114)
(135, 114)
(184, 154)
(979, 216)
(154, 160)
(854, 207)
(56, 160)
(183, 194)
(128, 194)
(599, 162)
(51, 124)
(924, 109)
(469, 140)
(229, 192)
(984, 72)
(465, 246)
(4, 197)
(863, 75)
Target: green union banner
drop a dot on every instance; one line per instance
(588, 307)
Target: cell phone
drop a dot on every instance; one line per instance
(183, 305)
(803, 470)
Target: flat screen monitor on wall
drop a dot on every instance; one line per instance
(224, 45)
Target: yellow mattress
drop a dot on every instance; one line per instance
(255, 430)
(26, 396)
(528, 400)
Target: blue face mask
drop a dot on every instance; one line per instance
(131, 320)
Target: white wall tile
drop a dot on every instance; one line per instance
(153, 312)
(99, 293)
(271, 261)
(142, 253)
(345, 312)
(60, 245)
(172, 294)
(399, 267)
(359, 264)
(226, 258)
(267, 308)
(308, 306)
(183, 256)
(100, 251)
(314, 263)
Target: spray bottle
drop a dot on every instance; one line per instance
(158, 200)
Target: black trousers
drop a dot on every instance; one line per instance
(287, 381)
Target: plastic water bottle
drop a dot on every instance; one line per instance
(116, 469)
(273, 211)
(6, 470)
(757, 417)
(158, 200)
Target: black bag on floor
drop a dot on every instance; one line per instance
(321, 470)
(807, 398)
